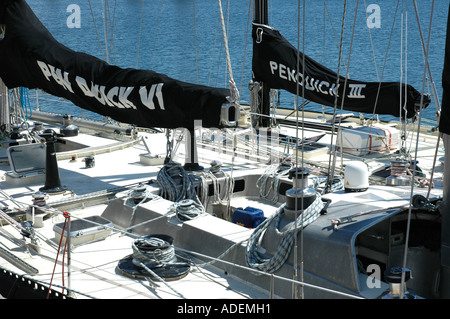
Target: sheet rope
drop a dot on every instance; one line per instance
(272, 264)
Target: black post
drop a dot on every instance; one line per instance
(52, 180)
(191, 163)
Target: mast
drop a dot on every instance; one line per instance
(261, 17)
(444, 129)
(4, 107)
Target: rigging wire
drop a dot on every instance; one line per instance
(294, 287)
(385, 60)
(213, 52)
(345, 86)
(195, 39)
(112, 24)
(96, 30)
(105, 27)
(403, 122)
(140, 34)
(371, 43)
(408, 225)
(433, 87)
(157, 33)
(245, 44)
(66, 223)
(333, 154)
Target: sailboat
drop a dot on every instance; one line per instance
(302, 209)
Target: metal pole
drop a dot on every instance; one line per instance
(261, 17)
(69, 258)
(4, 107)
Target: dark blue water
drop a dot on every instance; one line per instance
(163, 35)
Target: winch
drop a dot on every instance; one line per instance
(399, 173)
(396, 289)
(300, 196)
(68, 128)
(154, 257)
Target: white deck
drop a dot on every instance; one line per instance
(93, 269)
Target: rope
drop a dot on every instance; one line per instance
(273, 263)
(170, 177)
(233, 88)
(154, 252)
(187, 209)
(67, 220)
(139, 195)
(319, 181)
(25, 101)
(273, 172)
(214, 172)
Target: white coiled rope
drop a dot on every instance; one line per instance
(228, 184)
(274, 173)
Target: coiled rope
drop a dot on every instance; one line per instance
(154, 252)
(187, 209)
(139, 195)
(170, 177)
(178, 186)
(214, 172)
(273, 172)
(275, 262)
(322, 181)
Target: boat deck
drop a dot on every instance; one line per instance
(94, 272)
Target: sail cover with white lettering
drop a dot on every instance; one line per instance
(30, 57)
(275, 64)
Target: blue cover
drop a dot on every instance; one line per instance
(249, 217)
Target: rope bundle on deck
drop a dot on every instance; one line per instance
(274, 173)
(272, 264)
(152, 252)
(176, 184)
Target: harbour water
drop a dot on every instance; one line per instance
(162, 35)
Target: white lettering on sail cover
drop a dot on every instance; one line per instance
(116, 96)
(355, 91)
(60, 77)
(147, 97)
(309, 83)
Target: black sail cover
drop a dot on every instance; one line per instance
(444, 121)
(275, 64)
(30, 57)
